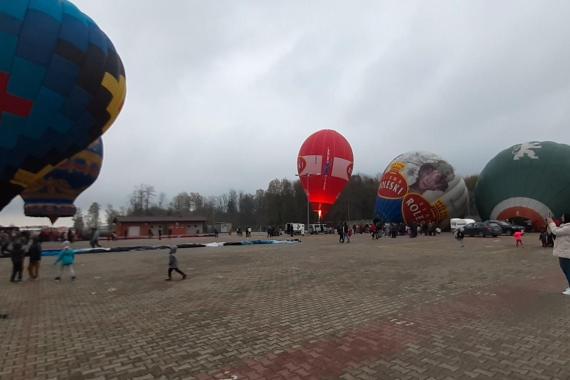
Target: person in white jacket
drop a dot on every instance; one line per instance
(562, 248)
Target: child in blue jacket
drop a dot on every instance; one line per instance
(67, 259)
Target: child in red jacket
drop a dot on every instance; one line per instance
(518, 238)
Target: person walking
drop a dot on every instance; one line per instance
(459, 235)
(35, 254)
(4, 242)
(518, 235)
(94, 238)
(173, 264)
(562, 248)
(543, 237)
(340, 231)
(17, 255)
(346, 237)
(67, 258)
(373, 231)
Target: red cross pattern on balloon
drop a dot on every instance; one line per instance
(12, 104)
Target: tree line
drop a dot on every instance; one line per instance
(283, 201)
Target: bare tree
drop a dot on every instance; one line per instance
(110, 215)
(93, 215)
(78, 222)
(141, 198)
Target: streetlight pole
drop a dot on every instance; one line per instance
(308, 204)
(308, 175)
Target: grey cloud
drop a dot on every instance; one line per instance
(221, 94)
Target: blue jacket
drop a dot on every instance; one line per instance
(66, 256)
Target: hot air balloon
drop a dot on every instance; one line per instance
(62, 84)
(53, 195)
(324, 165)
(420, 187)
(526, 183)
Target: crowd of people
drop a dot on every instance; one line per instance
(546, 238)
(22, 244)
(19, 245)
(378, 229)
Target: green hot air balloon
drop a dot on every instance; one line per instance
(526, 182)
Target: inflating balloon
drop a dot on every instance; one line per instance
(420, 187)
(62, 84)
(324, 165)
(529, 181)
(53, 195)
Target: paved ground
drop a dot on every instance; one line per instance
(385, 309)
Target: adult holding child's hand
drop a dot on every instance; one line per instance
(562, 247)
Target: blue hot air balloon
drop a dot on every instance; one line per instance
(62, 84)
(53, 195)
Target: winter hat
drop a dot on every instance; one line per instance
(66, 244)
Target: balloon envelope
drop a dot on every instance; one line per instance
(324, 165)
(53, 195)
(420, 187)
(526, 181)
(62, 84)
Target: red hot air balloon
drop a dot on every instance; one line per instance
(324, 165)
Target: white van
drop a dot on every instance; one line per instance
(318, 229)
(455, 223)
(298, 228)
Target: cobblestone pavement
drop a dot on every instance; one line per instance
(373, 309)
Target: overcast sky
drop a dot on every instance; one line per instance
(221, 94)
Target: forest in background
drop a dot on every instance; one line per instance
(283, 201)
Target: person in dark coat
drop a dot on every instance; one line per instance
(35, 254)
(340, 231)
(393, 230)
(17, 255)
(459, 235)
(345, 229)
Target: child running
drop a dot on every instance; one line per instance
(173, 264)
(67, 259)
(518, 238)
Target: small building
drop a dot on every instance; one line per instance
(155, 226)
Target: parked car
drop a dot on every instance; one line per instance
(482, 229)
(506, 227)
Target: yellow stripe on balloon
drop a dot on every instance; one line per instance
(25, 178)
(118, 90)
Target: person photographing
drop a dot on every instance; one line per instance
(562, 247)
